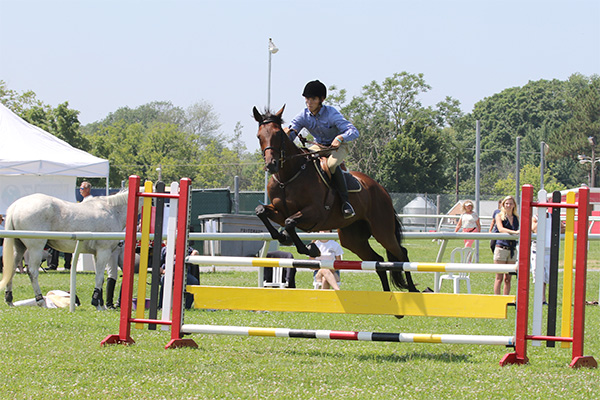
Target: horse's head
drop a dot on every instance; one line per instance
(271, 137)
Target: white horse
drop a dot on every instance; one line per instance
(39, 212)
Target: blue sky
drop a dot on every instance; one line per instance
(102, 55)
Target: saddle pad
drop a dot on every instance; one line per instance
(351, 182)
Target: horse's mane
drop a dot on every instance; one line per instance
(114, 200)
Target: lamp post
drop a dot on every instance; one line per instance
(587, 159)
(272, 50)
(544, 148)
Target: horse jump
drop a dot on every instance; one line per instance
(425, 304)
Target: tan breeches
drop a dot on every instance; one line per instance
(334, 157)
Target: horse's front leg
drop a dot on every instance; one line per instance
(264, 213)
(290, 227)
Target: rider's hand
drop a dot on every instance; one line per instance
(337, 142)
(286, 130)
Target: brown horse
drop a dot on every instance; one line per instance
(301, 199)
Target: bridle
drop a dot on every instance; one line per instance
(280, 149)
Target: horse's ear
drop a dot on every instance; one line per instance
(257, 115)
(280, 112)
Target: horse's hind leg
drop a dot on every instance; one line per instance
(35, 260)
(356, 239)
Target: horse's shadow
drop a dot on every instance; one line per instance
(391, 358)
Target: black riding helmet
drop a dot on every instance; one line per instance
(315, 89)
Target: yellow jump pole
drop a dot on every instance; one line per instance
(144, 250)
(568, 271)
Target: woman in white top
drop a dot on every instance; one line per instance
(330, 250)
(469, 221)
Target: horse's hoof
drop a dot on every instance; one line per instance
(260, 209)
(8, 297)
(399, 316)
(100, 308)
(96, 297)
(313, 250)
(284, 238)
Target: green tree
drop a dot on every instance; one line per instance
(202, 122)
(538, 111)
(529, 174)
(583, 124)
(64, 123)
(401, 143)
(61, 121)
(16, 102)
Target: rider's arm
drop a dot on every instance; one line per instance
(348, 131)
(296, 125)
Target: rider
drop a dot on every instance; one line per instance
(330, 129)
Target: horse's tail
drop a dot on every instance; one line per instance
(401, 279)
(8, 257)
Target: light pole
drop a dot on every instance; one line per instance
(544, 148)
(587, 159)
(272, 50)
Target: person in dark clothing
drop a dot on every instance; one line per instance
(507, 221)
(289, 274)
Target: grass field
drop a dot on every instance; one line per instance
(57, 354)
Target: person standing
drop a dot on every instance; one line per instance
(469, 221)
(85, 190)
(332, 133)
(507, 221)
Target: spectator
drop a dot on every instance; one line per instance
(85, 190)
(330, 250)
(493, 227)
(507, 221)
(190, 278)
(289, 274)
(469, 221)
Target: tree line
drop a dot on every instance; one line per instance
(404, 145)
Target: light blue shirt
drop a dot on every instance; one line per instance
(325, 126)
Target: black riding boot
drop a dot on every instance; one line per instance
(110, 292)
(340, 184)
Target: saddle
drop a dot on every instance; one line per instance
(324, 173)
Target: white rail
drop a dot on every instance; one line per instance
(259, 236)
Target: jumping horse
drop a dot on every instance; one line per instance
(39, 212)
(301, 198)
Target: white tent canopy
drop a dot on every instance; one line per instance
(34, 161)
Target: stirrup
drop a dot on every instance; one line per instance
(347, 210)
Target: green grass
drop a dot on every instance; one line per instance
(54, 353)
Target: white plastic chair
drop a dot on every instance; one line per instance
(466, 256)
(278, 281)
